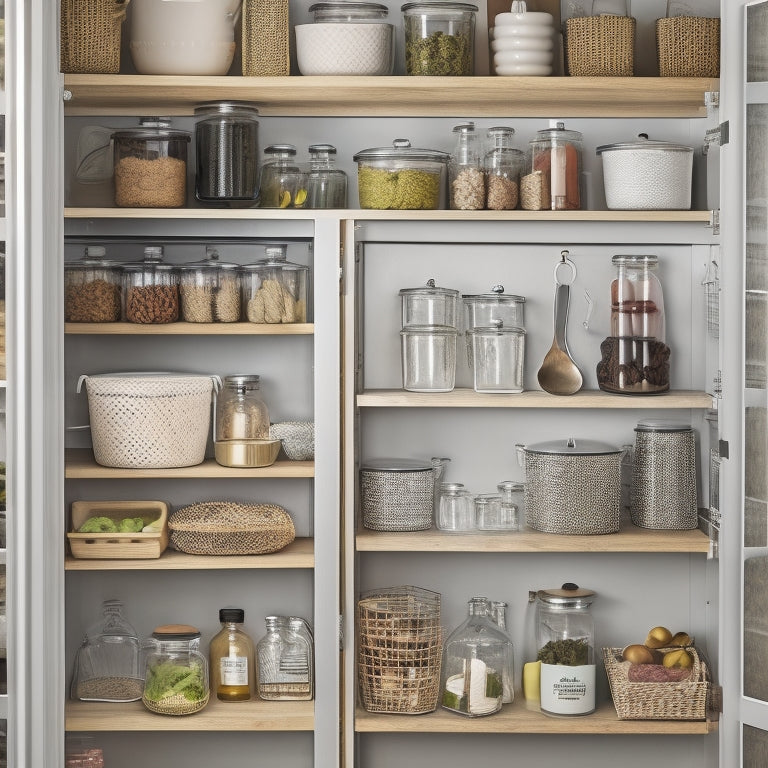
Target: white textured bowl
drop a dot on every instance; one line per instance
(344, 49)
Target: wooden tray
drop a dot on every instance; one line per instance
(112, 546)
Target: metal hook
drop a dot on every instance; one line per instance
(565, 261)
(590, 306)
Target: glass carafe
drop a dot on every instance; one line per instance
(285, 660)
(465, 173)
(474, 660)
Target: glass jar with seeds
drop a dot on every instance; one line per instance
(241, 414)
(92, 288)
(151, 289)
(210, 290)
(465, 173)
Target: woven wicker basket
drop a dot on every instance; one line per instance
(229, 528)
(90, 35)
(688, 46)
(686, 700)
(600, 46)
(399, 650)
(266, 47)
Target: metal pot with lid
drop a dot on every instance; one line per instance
(572, 486)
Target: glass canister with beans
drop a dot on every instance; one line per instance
(151, 289)
(92, 288)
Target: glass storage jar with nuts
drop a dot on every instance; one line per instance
(151, 289)
(502, 164)
(92, 288)
(209, 290)
(465, 173)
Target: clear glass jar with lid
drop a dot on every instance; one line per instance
(210, 290)
(503, 165)
(465, 172)
(555, 179)
(150, 165)
(326, 184)
(484, 310)
(474, 660)
(285, 659)
(275, 290)
(429, 305)
(283, 181)
(497, 353)
(176, 672)
(151, 289)
(93, 291)
(107, 664)
(565, 638)
(241, 414)
(512, 505)
(454, 510)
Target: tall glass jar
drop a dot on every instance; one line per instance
(474, 660)
(283, 181)
(241, 414)
(233, 665)
(151, 289)
(92, 288)
(635, 357)
(465, 174)
(275, 290)
(502, 164)
(176, 673)
(210, 290)
(555, 179)
(326, 184)
(285, 661)
(565, 638)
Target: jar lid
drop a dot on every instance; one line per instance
(487, 498)
(635, 260)
(430, 289)
(280, 149)
(211, 262)
(232, 614)
(497, 329)
(451, 486)
(348, 10)
(497, 296)
(152, 262)
(558, 132)
(275, 258)
(246, 380)
(660, 425)
(569, 595)
(429, 330)
(573, 447)
(92, 257)
(152, 128)
(397, 465)
(500, 130)
(227, 108)
(510, 485)
(315, 149)
(427, 7)
(644, 143)
(176, 632)
(402, 149)
(464, 128)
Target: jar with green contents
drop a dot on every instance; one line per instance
(401, 177)
(439, 38)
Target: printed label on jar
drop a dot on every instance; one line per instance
(234, 670)
(567, 690)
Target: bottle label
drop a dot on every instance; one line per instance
(234, 670)
(568, 690)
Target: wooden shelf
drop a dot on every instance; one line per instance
(628, 539)
(255, 715)
(190, 329)
(515, 718)
(468, 398)
(300, 553)
(80, 464)
(393, 96)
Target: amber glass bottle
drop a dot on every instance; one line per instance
(232, 661)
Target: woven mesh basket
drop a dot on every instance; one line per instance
(266, 48)
(230, 528)
(688, 46)
(399, 650)
(149, 421)
(175, 705)
(600, 46)
(686, 700)
(395, 500)
(90, 35)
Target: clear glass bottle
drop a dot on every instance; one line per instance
(474, 660)
(93, 290)
(285, 661)
(210, 290)
(283, 181)
(556, 154)
(512, 504)
(502, 164)
(465, 174)
(275, 290)
(176, 672)
(499, 616)
(233, 667)
(151, 289)
(241, 414)
(326, 184)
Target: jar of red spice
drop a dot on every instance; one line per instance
(554, 180)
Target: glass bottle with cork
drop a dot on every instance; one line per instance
(233, 668)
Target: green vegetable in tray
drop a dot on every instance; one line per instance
(571, 652)
(98, 525)
(167, 679)
(130, 525)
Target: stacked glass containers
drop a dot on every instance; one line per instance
(151, 289)
(326, 184)
(635, 357)
(502, 165)
(93, 290)
(283, 181)
(274, 289)
(209, 290)
(286, 660)
(554, 180)
(465, 174)
(428, 338)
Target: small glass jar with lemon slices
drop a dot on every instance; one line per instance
(283, 180)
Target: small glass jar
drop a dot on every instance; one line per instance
(150, 165)
(474, 660)
(326, 184)
(283, 181)
(210, 290)
(497, 356)
(491, 513)
(233, 662)
(465, 174)
(429, 358)
(429, 305)
(556, 155)
(455, 509)
(92, 288)
(512, 505)
(151, 289)
(227, 151)
(176, 672)
(502, 164)
(274, 289)
(439, 38)
(285, 659)
(241, 414)
(485, 310)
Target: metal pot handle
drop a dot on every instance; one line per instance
(520, 450)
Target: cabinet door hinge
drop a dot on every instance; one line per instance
(712, 98)
(715, 221)
(717, 386)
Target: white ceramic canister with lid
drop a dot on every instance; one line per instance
(183, 37)
(523, 42)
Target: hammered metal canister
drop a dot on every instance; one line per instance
(572, 486)
(663, 490)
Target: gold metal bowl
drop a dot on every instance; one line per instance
(247, 453)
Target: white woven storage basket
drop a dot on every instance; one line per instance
(149, 420)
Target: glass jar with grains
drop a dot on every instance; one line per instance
(151, 289)
(274, 289)
(241, 414)
(503, 164)
(210, 290)
(92, 288)
(465, 174)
